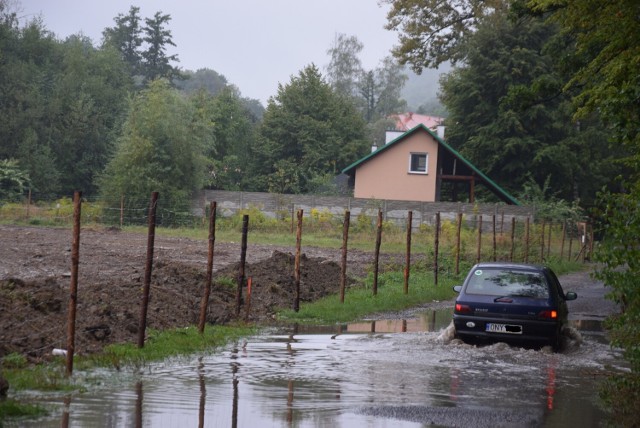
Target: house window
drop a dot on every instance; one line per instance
(418, 163)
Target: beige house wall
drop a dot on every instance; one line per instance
(387, 175)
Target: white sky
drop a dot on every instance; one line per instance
(255, 44)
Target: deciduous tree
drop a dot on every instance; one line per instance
(307, 130)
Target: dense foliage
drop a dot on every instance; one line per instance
(161, 149)
(510, 117)
(308, 131)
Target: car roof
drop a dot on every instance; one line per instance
(511, 265)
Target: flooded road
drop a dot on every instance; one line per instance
(384, 373)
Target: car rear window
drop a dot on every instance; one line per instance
(502, 282)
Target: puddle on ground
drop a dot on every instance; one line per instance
(383, 373)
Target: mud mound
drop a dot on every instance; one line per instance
(33, 313)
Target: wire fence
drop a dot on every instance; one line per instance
(442, 245)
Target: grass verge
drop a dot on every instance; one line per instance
(359, 301)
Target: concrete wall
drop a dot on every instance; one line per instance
(277, 205)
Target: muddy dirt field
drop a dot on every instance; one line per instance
(35, 265)
(35, 269)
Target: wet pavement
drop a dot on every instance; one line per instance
(379, 373)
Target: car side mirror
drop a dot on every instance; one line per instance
(570, 295)
(457, 288)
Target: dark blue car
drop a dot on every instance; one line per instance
(513, 303)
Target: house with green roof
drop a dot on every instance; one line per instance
(419, 165)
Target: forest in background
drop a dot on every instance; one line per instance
(121, 118)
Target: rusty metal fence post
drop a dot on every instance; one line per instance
(407, 269)
(142, 327)
(243, 261)
(73, 288)
(207, 289)
(459, 228)
(343, 266)
(296, 303)
(377, 253)
(435, 249)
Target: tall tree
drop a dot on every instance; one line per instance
(377, 93)
(380, 90)
(606, 78)
(126, 38)
(160, 149)
(434, 31)
(345, 67)
(509, 117)
(308, 130)
(156, 62)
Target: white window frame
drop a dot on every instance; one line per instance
(426, 163)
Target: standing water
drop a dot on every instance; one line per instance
(390, 373)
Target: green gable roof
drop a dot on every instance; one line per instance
(490, 183)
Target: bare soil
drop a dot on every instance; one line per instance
(35, 265)
(35, 271)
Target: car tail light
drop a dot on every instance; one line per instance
(551, 314)
(463, 309)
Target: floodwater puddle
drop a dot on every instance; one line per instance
(378, 373)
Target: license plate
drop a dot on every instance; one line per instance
(504, 328)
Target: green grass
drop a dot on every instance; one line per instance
(14, 409)
(165, 344)
(359, 301)
(51, 376)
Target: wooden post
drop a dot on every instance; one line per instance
(494, 238)
(459, 227)
(207, 289)
(296, 274)
(377, 253)
(549, 240)
(243, 261)
(564, 236)
(407, 268)
(526, 241)
(343, 266)
(513, 236)
(121, 211)
(542, 235)
(479, 253)
(142, 326)
(591, 237)
(73, 288)
(570, 245)
(435, 249)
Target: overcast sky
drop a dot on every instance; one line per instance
(255, 44)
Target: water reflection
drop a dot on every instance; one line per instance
(376, 373)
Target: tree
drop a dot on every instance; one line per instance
(377, 93)
(203, 78)
(156, 62)
(13, 180)
(508, 115)
(606, 80)
(434, 31)
(307, 130)
(345, 68)
(126, 38)
(90, 96)
(160, 149)
(381, 90)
